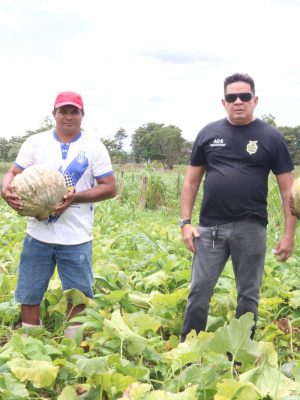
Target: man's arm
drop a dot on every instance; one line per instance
(105, 189)
(189, 193)
(285, 245)
(12, 199)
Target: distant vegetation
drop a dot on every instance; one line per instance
(150, 142)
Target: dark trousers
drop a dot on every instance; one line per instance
(245, 243)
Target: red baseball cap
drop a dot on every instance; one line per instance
(66, 98)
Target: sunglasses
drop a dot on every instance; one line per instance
(231, 97)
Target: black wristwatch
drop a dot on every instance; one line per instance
(182, 222)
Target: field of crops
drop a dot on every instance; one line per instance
(131, 347)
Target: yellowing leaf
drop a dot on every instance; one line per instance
(39, 373)
(229, 389)
(267, 378)
(141, 323)
(69, 393)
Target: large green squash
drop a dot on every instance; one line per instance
(41, 189)
(295, 198)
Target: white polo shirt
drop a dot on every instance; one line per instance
(81, 161)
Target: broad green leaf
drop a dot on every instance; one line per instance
(11, 389)
(137, 372)
(141, 300)
(69, 393)
(92, 366)
(141, 322)
(113, 381)
(156, 279)
(229, 389)
(34, 349)
(9, 311)
(206, 376)
(169, 300)
(295, 299)
(116, 327)
(235, 338)
(188, 394)
(188, 351)
(267, 378)
(39, 373)
(179, 357)
(136, 391)
(76, 297)
(60, 307)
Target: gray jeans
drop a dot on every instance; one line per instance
(245, 243)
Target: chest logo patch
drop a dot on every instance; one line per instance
(218, 143)
(252, 147)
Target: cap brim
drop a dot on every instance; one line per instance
(68, 103)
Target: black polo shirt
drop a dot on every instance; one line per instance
(239, 159)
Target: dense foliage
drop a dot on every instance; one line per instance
(131, 347)
(150, 142)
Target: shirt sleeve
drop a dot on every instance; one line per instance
(197, 157)
(282, 160)
(25, 157)
(101, 165)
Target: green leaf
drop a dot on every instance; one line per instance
(205, 376)
(141, 322)
(69, 393)
(136, 391)
(235, 339)
(92, 366)
(114, 381)
(169, 300)
(39, 373)
(137, 372)
(134, 343)
(76, 297)
(229, 389)
(156, 279)
(188, 394)
(267, 378)
(295, 299)
(11, 389)
(34, 349)
(188, 351)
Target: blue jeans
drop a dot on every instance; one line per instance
(37, 265)
(245, 243)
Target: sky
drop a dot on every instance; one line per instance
(138, 61)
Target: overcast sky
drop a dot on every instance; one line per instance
(137, 61)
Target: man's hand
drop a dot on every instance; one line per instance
(188, 235)
(284, 248)
(11, 198)
(61, 207)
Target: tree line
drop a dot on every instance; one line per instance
(150, 142)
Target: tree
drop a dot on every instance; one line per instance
(270, 119)
(3, 149)
(119, 138)
(158, 142)
(292, 138)
(9, 148)
(115, 146)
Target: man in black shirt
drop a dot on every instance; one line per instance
(236, 155)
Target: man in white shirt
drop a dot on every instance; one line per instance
(65, 238)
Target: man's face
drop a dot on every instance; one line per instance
(68, 119)
(239, 112)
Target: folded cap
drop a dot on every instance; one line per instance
(68, 98)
